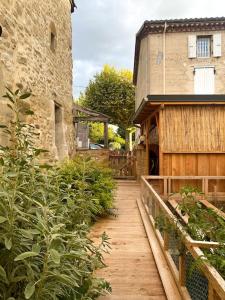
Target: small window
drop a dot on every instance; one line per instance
(59, 130)
(203, 46)
(0, 30)
(52, 37)
(53, 41)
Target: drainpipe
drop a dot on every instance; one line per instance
(164, 58)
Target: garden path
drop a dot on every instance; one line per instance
(131, 269)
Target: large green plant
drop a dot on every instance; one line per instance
(204, 224)
(43, 254)
(88, 189)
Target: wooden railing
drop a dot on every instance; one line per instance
(207, 284)
(123, 164)
(211, 186)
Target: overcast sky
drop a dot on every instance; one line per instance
(104, 30)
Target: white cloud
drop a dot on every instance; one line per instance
(83, 71)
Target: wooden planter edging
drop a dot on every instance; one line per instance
(154, 206)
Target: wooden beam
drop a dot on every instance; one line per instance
(89, 119)
(168, 281)
(88, 111)
(209, 271)
(214, 208)
(106, 135)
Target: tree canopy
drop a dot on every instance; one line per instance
(97, 134)
(111, 92)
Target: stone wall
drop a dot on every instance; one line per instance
(101, 155)
(179, 68)
(35, 54)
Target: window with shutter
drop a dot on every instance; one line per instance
(192, 46)
(203, 46)
(217, 45)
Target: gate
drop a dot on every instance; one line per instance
(123, 164)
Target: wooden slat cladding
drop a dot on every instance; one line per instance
(194, 165)
(193, 129)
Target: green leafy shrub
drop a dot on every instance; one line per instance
(44, 254)
(204, 224)
(88, 188)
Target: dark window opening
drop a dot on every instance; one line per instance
(53, 40)
(0, 30)
(153, 148)
(59, 130)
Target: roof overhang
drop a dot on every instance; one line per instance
(73, 5)
(89, 115)
(153, 102)
(176, 25)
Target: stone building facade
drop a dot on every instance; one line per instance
(35, 54)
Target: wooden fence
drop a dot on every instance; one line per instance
(207, 284)
(123, 164)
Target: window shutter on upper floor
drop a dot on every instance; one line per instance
(217, 44)
(204, 80)
(192, 46)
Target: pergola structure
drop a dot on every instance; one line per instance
(84, 114)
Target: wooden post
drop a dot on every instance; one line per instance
(147, 125)
(166, 240)
(210, 291)
(106, 138)
(182, 272)
(169, 186)
(165, 186)
(130, 141)
(206, 186)
(203, 185)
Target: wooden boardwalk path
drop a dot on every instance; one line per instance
(131, 269)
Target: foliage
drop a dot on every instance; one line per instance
(115, 146)
(87, 188)
(97, 134)
(44, 254)
(204, 224)
(112, 93)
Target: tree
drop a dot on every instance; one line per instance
(111, 92)
(97, 134)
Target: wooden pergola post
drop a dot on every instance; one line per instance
(106, 135)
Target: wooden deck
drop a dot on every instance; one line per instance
(131, 269)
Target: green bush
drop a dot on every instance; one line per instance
(87, 187)
(204, 224)
(44, 253)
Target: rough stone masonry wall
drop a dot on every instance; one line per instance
(100, 155)
(27, 61)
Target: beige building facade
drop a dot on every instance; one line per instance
(179, 73)
(35, 54)
(180, 57)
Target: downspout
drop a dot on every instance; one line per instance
(164, 58)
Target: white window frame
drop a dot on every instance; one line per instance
(199, 52)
